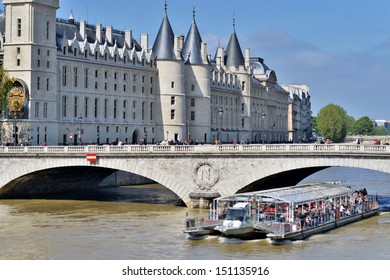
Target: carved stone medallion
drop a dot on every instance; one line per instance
(205, 176)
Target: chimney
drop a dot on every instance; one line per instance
(181, 42)
(203, 51)
(218, 62)
(109, 34)
(83, 31)
(247, 57)
(176, 46)
(128, 35)
(99, 33)
(144, 41)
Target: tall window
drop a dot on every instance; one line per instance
(47, 29)
(172, 114)
(124, 109)
(143, 111)
(45, 109)
(172, 100)
(37, 109)
(192, 115)
(47, 84)
(64, 105)
(96, 107)
(115, 108)
(64, 75)
(192, 102)
(151, 110)
(86, 77)
(76, 101)
(86, 107)
(19, 24)
(38, 83)
(105, 108)
(75, 72)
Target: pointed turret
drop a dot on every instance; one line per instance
(163, 47)
(233, 55)
(192, 51)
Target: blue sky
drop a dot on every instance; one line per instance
(340, 48)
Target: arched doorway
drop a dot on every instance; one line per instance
(134, 139)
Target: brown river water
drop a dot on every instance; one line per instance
(142, 222)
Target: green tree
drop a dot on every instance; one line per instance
(332, 123)
(5, 85)
(350, 125)
(364, 126)
(380, 131)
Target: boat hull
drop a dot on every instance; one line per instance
(201, 231)
(304, 233)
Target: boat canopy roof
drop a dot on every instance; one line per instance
(297, 194)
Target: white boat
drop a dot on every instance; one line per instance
(294, 213)
(290, 213)
(237, 222)
(201, 226)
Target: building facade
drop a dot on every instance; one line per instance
(83, 83)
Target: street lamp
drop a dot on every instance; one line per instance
(220, 112)
(80, 119)
(15, 134)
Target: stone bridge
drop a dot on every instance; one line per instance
(196, 174)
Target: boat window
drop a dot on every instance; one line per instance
(236, 214)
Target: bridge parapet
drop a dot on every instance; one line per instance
(255, 148)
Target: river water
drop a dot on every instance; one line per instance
(144, 223)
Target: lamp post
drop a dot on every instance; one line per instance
(80, 119)
(263, 115)
(220, 112)
(15, 134)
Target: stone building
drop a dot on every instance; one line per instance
(85, 83)
(300, 125)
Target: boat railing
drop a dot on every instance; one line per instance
(272, 223)
(197, 222)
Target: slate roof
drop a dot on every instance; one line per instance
(164, 43)
(70, 29)
(191, 52)
(233, 54)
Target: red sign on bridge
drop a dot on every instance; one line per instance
(91, 157)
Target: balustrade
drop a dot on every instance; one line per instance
(251, 148)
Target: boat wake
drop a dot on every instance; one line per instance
(204, 237)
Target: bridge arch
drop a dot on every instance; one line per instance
(46, 176)
(291, 170)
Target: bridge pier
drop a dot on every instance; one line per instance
(202, 200)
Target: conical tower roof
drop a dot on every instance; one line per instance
(191, 52)
(163, 46)
(233, 54)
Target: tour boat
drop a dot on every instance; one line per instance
(290, 213)
(294, 213)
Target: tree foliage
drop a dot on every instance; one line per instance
(364, 126)
(5, 85)
(380, 131)
(350, 125)
(332, 123)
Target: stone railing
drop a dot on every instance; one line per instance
(256, 148)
